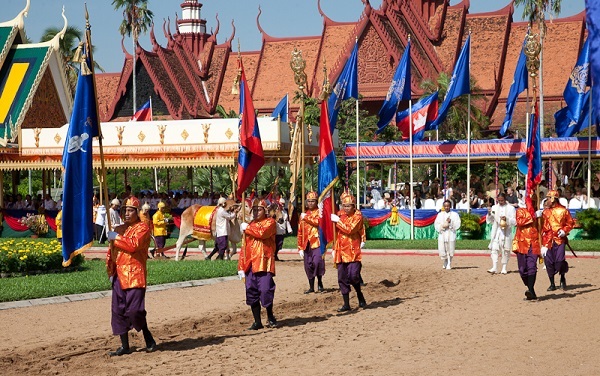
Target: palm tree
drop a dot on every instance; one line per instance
(68, 45)
(136, 18)
(454, 127)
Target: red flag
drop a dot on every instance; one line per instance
(251, 156)
(328, 176)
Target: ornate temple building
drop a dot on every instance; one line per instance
(193, 73)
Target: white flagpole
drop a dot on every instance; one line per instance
(357, 157)
(589, 172)
(410, 169)
(151, 110)
(469, 136)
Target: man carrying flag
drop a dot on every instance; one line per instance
(251, 156)
(143, 113)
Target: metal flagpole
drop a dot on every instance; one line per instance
(469, 136)
(357, 156)
(410, 168)
(589, 172)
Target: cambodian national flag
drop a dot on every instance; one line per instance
(328, 176)
(251, 156)
(459, 83)
(592, 18)
(281, 111)
(399, 91)
(78, 189)
(424, 112)
(520, 83)
(345, 87)
(143, 113)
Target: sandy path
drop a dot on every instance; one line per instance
(420, 320)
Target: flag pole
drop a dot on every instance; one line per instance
(357, 151)
(88, 35)
(589, 172)
(410, 169)
(469, 135)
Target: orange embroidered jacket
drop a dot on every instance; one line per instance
(308, 230)
(555, 219)
(131, 249)
(258, 253)
(527, 234)
(350, 230)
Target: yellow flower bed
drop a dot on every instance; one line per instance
(25, 256)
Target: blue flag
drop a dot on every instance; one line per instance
(566, 126)
(281, 110)
(399, 91)
(459, 83)
(592, 17)
(345, 87)
(570, 120)
(78, 228)
(520, 83)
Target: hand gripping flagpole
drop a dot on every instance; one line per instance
(88, 35)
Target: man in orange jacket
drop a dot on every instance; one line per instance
(557, 225)
(347, 253)
(257, 263)
(309, 244)
(126, 268)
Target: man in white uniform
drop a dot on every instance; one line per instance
(222, 229)
(115, 217)
(503, 219)
(446, 223)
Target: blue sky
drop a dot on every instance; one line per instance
(280, 18)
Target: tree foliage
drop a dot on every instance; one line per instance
(136, 16)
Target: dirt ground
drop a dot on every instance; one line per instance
(420, 320)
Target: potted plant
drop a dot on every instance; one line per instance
(589, 221)
(469, 225)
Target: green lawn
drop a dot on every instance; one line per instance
(92, 277)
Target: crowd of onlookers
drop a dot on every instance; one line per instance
(17, 202)
(431, 194)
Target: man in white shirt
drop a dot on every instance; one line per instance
(101, 224)
(115, 217)
(463, 203)
(185, 201)
(446, 223)
(49, 203)
(577, 201)
(222, 223)
(282, 224)
(502, 216)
